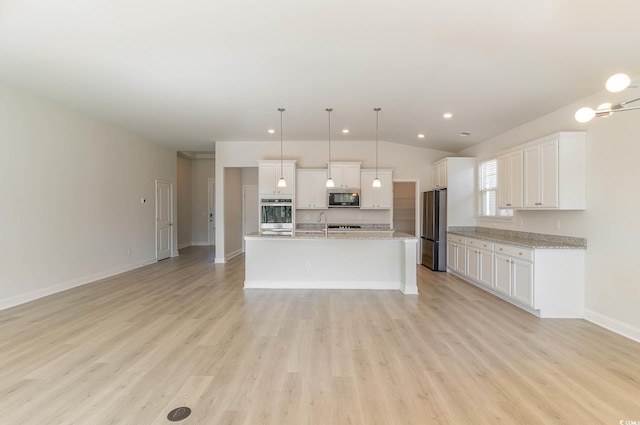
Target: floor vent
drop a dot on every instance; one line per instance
(179, 414)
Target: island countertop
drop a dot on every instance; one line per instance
(357, 234)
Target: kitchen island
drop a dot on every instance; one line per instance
(337, 260)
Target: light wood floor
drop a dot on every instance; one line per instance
(183, 332)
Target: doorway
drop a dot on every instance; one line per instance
(250, 209)
(164, 219)
(404, 207)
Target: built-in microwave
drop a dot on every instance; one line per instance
(344, 199)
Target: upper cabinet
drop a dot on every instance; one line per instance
(376, 197)
(439, 174)
(457, 175)
(510, 174)
(269, 173)
(554, 172)
(345, 175)
(311, 190)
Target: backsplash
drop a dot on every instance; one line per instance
(344, 215)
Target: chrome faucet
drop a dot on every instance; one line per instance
(326, 225)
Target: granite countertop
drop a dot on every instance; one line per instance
(358, 234)
(525, 239)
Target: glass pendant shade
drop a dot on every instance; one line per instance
(618, 82)
(585, 114)
(330, 182)
(376, 182)
(282, 182)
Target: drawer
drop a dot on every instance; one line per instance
(456, 238)
(514, 251)
(479, 243)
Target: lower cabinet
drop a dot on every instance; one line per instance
(546, 282)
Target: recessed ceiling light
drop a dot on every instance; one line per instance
(420, 136)
(447, 115)
(464, 134)
(345, 131)
(271, 131)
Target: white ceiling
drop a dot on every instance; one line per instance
(190, 72)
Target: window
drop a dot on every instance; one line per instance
(488, 190)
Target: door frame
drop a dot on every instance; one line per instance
(417, 213)
(244, 209)
(211, 182)
(171, 232)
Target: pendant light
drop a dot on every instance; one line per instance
(282, 182)
(376, 181)
(330, 182)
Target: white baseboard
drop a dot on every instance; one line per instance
(40, 293)
(301, 284)
(612, 324)
(184, 245)
(233, 254)
(200, 244)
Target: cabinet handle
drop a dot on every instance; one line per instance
(508, 205)
(500, 249)
(519, 253)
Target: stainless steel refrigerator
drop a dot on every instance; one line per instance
(434, 229)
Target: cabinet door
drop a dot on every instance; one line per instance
(367, 193)
(451, 256)
(473, 263)
(522, 278)
(532, 178)
(502, 282)
(303, 189)
(352, 176)
(549, 175)
(383, 195)
(439, 175)
(289, 174)
(461, 260)
(318, 189)
(485, 276)
(267, 179)
(510, 180)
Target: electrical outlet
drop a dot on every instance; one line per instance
(308, 266)
(129, 251)
(557, 224)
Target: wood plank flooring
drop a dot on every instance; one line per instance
(183, 332)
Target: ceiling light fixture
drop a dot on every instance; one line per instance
(447, 115)
(271, 131)
(420, 136)
(330, 182)
(282, 182)
(376, 181)
(615, 83)
(345, 131)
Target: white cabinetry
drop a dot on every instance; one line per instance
(376, 197)
(345, 175)
(269, 174)
(554, 172)
(479, 261)
(457, 174)
(456, 254)
(546, 282)
(439, 174)
(311, 190)
(510, 174)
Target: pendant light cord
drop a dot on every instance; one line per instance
(329, 165)
(281, 161)
(377, 119)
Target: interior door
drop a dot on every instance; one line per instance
(164, 222)
(212, 212)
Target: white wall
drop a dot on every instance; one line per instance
(201, 171)
(407, 162)
(71, 190)
(184, 201)
(610, 222)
